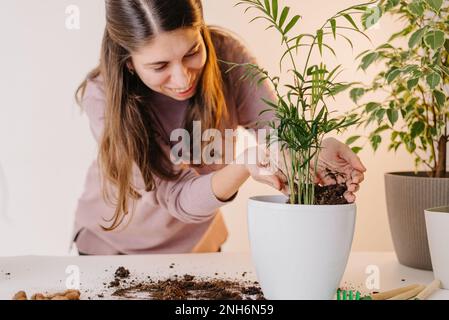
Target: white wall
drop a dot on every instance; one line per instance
(46, 145)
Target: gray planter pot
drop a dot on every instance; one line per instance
(408, 195)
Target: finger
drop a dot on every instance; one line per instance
(341, 179)
(285, 190)
(353, 187)
(357, 176)
(281, 177)
(349, 196)
(348, 155)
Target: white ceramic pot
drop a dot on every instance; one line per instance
(437, 224)
(299, 251)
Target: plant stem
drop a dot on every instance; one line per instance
(440, 170)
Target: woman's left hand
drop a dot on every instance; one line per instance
(339, 158)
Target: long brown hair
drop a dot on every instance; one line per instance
(129, 135)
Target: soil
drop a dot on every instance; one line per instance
(121, 272)
(330, 194)
(186, 287)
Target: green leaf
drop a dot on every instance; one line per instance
(284, 15)
(368, 60)
(267, 6)
(394, 135)
(412, 83)
(356, 94)
(319, 35)
(391, 4)
(375, 141)
(401, 33)
(393, 116)
(275, 8)
(380, 115)
(371, 16)
(291, 24)
(393, 74)
(334, 27)
(417, 128)
(385, 46)
(356, 149)
(433, 80)
(351, 21)
(411, 68)
(339, 87)
(434, 39)
(370, 107)
(382, 129)
(416, 8)
(416, 37)
(352, 139)
(435, 4)
(410, 146)
(440, 97)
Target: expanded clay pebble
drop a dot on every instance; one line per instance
(21, 295)
(66, 295)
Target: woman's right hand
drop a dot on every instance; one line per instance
(258, 164)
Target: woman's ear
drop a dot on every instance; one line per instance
(130, 66)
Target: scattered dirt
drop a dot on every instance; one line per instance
(121, 272)
(120, 275)
(187, 287)
(177, 287)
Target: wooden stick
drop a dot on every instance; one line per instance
(389, 294)
(431, 288)
(409, 294)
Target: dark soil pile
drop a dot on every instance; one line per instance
(186, 287)
(121, 272)
(330, 194)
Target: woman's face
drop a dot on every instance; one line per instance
(172, 63)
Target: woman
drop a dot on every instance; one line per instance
(161, 68)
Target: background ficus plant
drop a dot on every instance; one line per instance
(415, 80)
(302, 117)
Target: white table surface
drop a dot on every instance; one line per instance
(48, 274)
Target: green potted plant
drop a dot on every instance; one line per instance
(300, 244)
(415, 81)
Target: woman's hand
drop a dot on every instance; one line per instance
(227, 181)
(334, 156)
(339, 158)
(257, 162)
